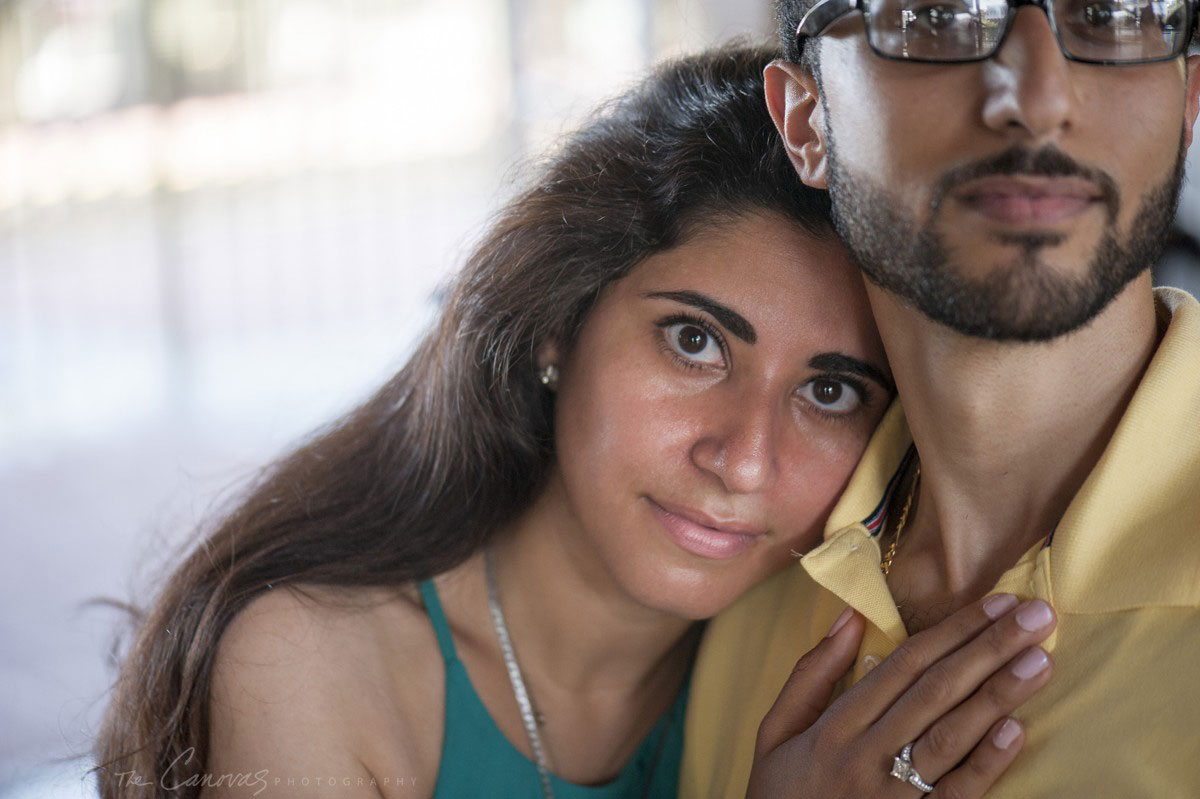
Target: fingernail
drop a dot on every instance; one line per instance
(1007, 733)
(1034, 615)
(997, 605)
(1030, 664)
(841, 622)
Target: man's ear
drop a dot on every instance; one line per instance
(1193, 98)
(793, 98)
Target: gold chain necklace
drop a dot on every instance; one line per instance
(885, 565)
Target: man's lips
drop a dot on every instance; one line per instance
(701, 534)
(1028, 200)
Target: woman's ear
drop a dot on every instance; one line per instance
(547, 354)
(548, 364)
(794, 100)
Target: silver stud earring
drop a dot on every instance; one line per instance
(549, 376)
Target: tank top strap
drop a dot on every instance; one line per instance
(437, 617)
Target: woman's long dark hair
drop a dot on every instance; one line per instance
(412, 482)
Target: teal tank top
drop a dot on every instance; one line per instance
(478, 761)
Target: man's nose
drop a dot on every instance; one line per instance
(1029, 89)
(739, 448)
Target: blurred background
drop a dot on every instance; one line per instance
(221, 223)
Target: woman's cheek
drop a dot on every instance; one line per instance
(816, 476)
(608, 429)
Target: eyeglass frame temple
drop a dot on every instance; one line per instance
(821, 16)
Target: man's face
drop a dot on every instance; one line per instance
(1009, 199)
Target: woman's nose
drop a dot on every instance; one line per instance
(739, 447)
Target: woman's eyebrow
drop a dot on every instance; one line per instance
(730, 319)
(840, 362)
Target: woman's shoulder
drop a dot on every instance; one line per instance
(331, 633)
(334, 681)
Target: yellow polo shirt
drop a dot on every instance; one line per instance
(1121, 716)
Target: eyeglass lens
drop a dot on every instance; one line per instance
(966, 30)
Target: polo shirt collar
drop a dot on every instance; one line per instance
(1131, 536)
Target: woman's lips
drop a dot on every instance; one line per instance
(1029, 201)
(701, 535)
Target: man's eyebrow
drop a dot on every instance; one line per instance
(839, 362)
(730, 319)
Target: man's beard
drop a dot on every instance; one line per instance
(1024, 300)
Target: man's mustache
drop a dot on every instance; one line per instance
(1018, 160)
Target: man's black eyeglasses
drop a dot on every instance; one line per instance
(954, 31)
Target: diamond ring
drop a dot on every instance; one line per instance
(904, 770)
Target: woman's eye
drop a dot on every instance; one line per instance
(695, 343)
(831, 396)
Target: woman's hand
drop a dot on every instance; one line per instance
(947, 690)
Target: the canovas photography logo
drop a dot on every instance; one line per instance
(259, 781)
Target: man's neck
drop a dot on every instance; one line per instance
(1007, 434)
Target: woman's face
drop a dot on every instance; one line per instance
(713, 409)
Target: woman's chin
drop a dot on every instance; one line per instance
(694, 593)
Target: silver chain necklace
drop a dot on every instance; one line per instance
(514, 675)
